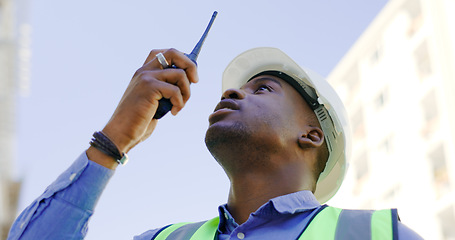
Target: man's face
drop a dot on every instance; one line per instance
(265, 114)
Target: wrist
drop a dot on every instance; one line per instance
(106, 151)
(101, 158)
(122, 141)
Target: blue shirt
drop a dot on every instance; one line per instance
(65, 207)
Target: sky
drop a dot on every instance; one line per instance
(84, 53)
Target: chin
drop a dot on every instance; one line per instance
(225, 134)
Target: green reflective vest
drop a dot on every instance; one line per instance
(329, 223)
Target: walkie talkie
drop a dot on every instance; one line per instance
(165, 104)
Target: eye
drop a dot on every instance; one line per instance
(262, 88)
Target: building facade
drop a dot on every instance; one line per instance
(14, 58)
(398, 85)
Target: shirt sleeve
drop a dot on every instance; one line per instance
(63, 210)
(148, 235)
(405, 233)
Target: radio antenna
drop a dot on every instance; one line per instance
(195, 53)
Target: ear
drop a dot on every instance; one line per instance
(311, 137)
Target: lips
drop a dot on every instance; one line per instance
(224, 108)
(227, 104)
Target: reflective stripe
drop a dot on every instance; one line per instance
(186, 231)
(323, 225)
(163, 234)
(329, 223)
(381, 223)
(338, 224)
(354, 224)
(208, 230)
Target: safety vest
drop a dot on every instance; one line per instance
(328, 223)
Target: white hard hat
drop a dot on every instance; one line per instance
(321, 97)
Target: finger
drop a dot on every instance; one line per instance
(176, 58)
(152, 55)
(180, 60)
(172, 93)
(172, 76)
(157, 84)
(169, 54)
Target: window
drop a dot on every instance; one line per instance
(439, 168)
(352, 78)
(392, 194)
(362, 166)
(422, 60)
(430, 106)
(430, 113)
(386, 145)
(358, 123)
(352, 83)
(414, 10)
(376, 55)
(446, 219)
(381, 99)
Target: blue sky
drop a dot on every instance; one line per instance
(83, 56)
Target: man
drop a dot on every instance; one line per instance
(279, 132)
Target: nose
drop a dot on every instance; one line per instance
(233, 93)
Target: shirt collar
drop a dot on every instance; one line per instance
(294, 202)
(287, 204)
